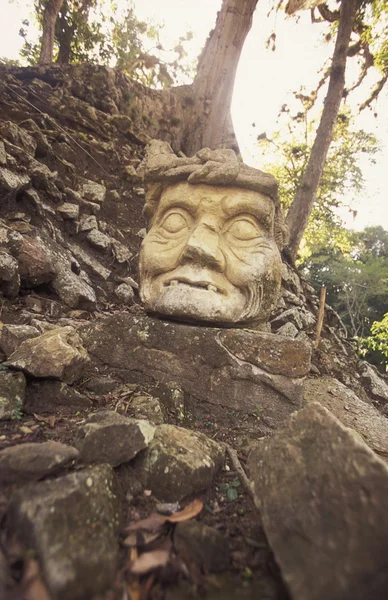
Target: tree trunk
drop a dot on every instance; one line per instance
(49, 18)
(301, 207)
(208, 101)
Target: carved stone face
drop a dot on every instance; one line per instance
(210, 255)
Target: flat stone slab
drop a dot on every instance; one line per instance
(107, 437)
(350, 410)
(238, 369)
(72, 524)
(323, 496)
(29, 462)
(178, 462)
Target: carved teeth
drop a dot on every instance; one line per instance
(173, 282)
(211, 288)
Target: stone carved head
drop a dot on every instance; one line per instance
(212, 250)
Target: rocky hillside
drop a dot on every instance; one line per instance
(109, 417)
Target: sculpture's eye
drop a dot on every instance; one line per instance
(175, 222)
(244, 229)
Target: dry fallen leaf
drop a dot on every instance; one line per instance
(149, 561)
(190, 511)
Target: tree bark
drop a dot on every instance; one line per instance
(208, 101)
(301, 207)
(50, 15)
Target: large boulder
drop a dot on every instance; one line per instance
(238, 369)
(322, 495)
(72, 524)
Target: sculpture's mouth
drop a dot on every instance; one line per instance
(201, 285)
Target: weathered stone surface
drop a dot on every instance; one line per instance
(3, 155)
(58, 353)
(36, 265)
(203, 544)
(288, 330)
(98, 240)
(350, 410)
(101, 384)
(30, 462)
(54, 396)
(12, 390)
(74, 291)
(375, 384)
(11, 336)
(95, 192)
(201, 361)
(87, 223)
(146, 407)
(292, 315)
(10, 131)
(5, 575)
(68, 210)
(72, 523)
(178, 462)
(124, 292)
(12, 181)
(322, 495)
(278, 355)
(107, 437)
(9, 275)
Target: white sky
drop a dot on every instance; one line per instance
(263, 81)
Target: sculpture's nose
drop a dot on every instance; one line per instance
(203, 248)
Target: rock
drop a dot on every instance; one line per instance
(292, 315)
(58, 353)
(10, 131)
(12, 390)
(101, 384)
(9, 275)
(350, 410)
(178, 462)
(11, 336)
(74, 291)
(375, 384)
(72, 524)
(3, 155)
(68, 210)
(10, 240)
(95, 192)
(291, 280)
(96, 267)
(238, 369)
(288, 330)
(30, 462)
(146, 407)
(108, 437)
(98, 240)
(122, 253)
(322, 496)
(124, 292)
(87, 223)
(12, 181)
(54, 397)
(202, 544)
(36, 265)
